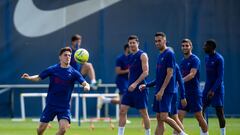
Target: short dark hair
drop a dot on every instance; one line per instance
(133, 37)
(76, 37)
(162, 34)
(125, 46)
(212, 43)
(64, 50)
(186, 40)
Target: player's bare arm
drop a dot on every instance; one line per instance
(165, 83)
(145, 68)
(191, 75)
(34, 78)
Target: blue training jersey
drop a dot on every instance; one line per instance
(61, 84)
(122, 61)
(165, 60)
(179, 82)
(192, 86)
(214, 73)
(135, 68)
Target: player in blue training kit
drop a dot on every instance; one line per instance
(62, 77)
(122, 70)
(213, 93)
(174, 105)
(86, 69)
(189, 67)
(165, 85)
(138, 71)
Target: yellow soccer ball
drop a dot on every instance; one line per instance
(81, 55)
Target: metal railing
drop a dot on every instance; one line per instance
(106, 87)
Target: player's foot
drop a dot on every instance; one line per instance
(183, 133)
(94, 84)
(128, 121)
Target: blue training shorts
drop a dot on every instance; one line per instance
(136, 99)
(194, 103)
(174, 104)
(216, 101)
(50, 112)
(164, 105)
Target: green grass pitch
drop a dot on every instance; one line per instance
(8, 127)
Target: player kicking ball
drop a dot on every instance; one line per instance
(62, 77)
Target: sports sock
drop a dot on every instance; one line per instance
(121, 130)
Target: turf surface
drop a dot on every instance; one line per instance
(8, 127)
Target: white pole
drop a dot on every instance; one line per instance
(107, 105)
(77, 108)
(84, 108)
(43, 101)
(22, 107)
(98, 109)
(117, 112)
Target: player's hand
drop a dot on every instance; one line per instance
(159, 95)
(132, 87)
(142, 87)
(184, 102)
(210, 94)
(86, 87)
(25, 76)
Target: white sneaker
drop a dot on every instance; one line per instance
(183, 133)
(128, 121)
(94, 85)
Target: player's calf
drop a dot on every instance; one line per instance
(42, 127)
(63, 126)
(202, 122)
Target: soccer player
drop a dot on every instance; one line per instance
(189, 67)
(62, 77)
(213, 93)
(138, 71)
(122, 70)
(174, 108)
(173, 113)
(86, 69)
(165, 85)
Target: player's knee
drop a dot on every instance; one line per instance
(145, 115)
(163, 117)
(199, 116)
(87, 65)
(219, 111)
(158, 117)
(122, 112)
